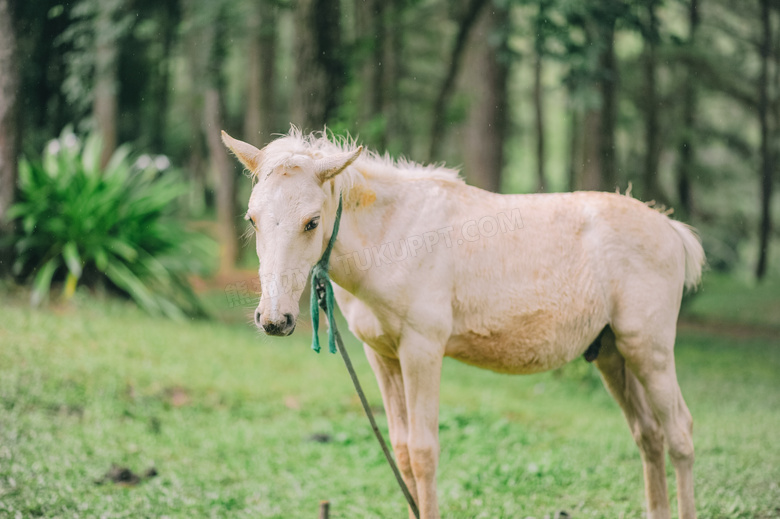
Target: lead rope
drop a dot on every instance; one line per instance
(322, 297)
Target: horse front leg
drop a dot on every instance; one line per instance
(421, 361)
(391, 384)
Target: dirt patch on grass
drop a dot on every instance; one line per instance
(123, 476)
(725, 328)
(177, 396)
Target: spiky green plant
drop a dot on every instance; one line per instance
(91, 225)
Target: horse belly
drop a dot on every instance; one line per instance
(530, 345)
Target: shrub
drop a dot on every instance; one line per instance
(110, 226)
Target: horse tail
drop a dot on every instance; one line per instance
(694, 253)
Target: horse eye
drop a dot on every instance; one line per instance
(313, 223)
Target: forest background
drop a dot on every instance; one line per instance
(680, 99)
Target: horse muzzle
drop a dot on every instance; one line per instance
(280, 328)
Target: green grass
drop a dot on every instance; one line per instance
(225, 416)
(732, 300)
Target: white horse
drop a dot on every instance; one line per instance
(426, 266)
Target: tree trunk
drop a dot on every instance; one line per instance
(104, 105)
(320, 69)
(767, 166)
(651, 186)
(485, 129)
(8, 127)
(608, 88)
(371, 35)
(592, 159)
(598, 125)
(775, 126)
(196, 55)
(540, 24)
(222, 166)
(575, 146)
(439, 115)
(687, 150)
(539, 120)
(162, 81)
(259, 121)
(224, 180)
(397, 132)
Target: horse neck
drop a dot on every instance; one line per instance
(366, 222)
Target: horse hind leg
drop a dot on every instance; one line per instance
(645, 427)
(655, 369)
(650, 356)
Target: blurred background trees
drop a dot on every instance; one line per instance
(8, 134)
(679, 98)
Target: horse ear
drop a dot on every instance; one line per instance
(249, 156)
(329, 167)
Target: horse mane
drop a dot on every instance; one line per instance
(652, 204)
(369, 164)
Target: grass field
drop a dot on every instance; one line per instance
(227, 417)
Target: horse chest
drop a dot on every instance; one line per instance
(364, 325)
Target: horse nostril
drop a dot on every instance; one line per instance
(281, 327)
(257, 318)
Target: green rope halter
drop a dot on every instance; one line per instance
(322, 291)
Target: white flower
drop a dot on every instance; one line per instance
(70, 140)
(53, 147)
(161, 162)
(143, 162)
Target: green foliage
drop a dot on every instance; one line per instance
(161, 67)
(93, 25)
(112, 224)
